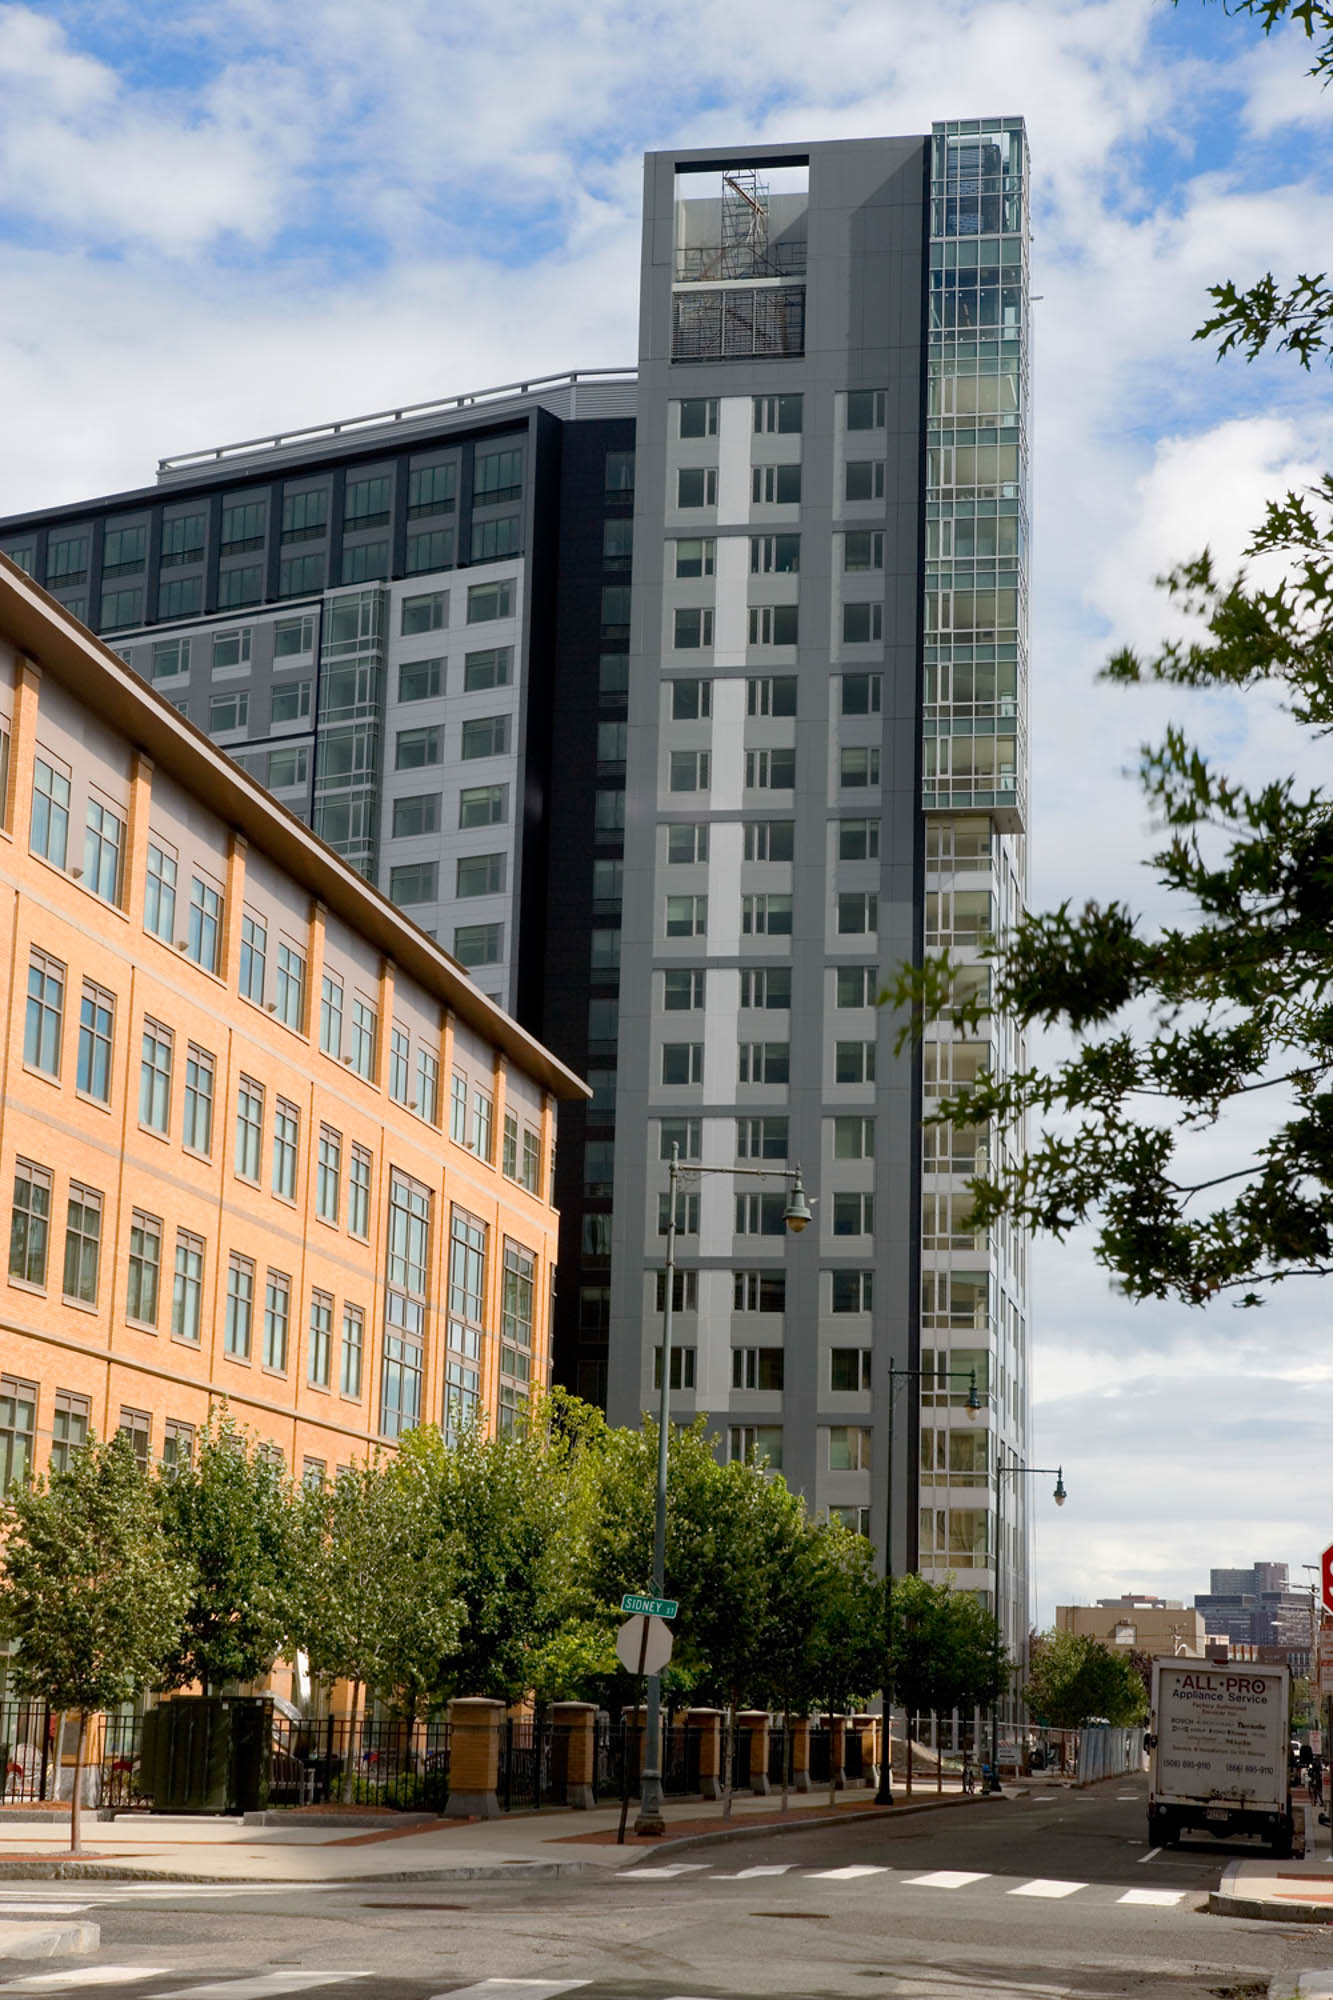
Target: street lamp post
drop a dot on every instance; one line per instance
(796, 1215)
(1013, 1470)
(884, 1793)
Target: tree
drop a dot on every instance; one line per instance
(945, 1648)
(847, 1637)
(92, 1593)
(228, 1516)
(1073, 1678)
(1237, 993)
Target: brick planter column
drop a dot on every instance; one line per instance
(868, 1728)
(574, 1751)
(706, 1724)
(837, 1732)
(800, 1753)
(474, 1758)
(757, 1722)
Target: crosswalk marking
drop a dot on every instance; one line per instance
(513, 1989)
(8, 1909)
(745, 1874)
(1161, 1898)
(844, 1874)
(665, 1872)
(79, 1977)
(263, 1985)
(945, 1878)
(1052, 1890)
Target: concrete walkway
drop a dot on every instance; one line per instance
(314, 1849)
(1299, 1891)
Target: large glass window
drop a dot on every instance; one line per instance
(18, 1425)
(353, 1349)
(277, 1320)
(286, 1140)
(197, 1123)
(49, 835)
(205, 927)
(103, 851)
(249, 1128)
(44, 1019)
(97, 1013)
(159, 903)
(71, 1420)
(187, 1292)
(358, 1192)
(83, 1243)
(328, 1174)
(30, 1223)
(155, 1059)
(290, 990)
(240, 1306)
(144, 1279)
(319, 1353)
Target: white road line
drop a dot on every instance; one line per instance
(512, 1989)
(264, 1985)
(745, 1874)
(1051, 1890)
(81, 1976)
(1162, 1898)
(1122, 1796)
(1151, 1855)
(944, 1878)
(662, 1874)
(843, 1874)
(8, 1909)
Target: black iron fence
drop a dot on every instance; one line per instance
(360, 1761)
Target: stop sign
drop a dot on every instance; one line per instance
(1326, 1577)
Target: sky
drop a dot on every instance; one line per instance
(221, 220)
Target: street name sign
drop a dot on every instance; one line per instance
(1325, 1578)
(643, 1645)
(659, 1607)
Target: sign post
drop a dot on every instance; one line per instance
(643, 1646)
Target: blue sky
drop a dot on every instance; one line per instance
(218, 220)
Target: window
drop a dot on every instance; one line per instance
(772, 694)
(491, 669)
(249, 1128)
(862, 549)
(305, 516)
(415, 815)
(458, 1109)
(479, 1140)
(155, 1059)
(145, 1268)
(486, 736)
(83, 1243)
(290, 703)
(70, 1421)
(684, 1292)
(761, 1138)
(693, 628)
(286, 1137)
(197, 1123)
(853, 1138)
(613, 674)
(293, 637)
(686, 1134)
(428, 1086)
(682, 1062)
(773, 624)
(850, 1370)
(696, 558)
(608, 810)
(328, 1174)
(686, 916)
(353, 1348)
(858, 912)
(400, 1064)
(691, 701)
(103, 848)
(241, 585)
(682, 1367)
(858, 766)
(688, 771)
(698, 416)
(137, 1426)
(481, 875)
(857, 986)
(231, 648)
(759, 1368)
(852, 1291)
(756, 1444)
(682, 990)
(319, 1354)
(277, 1320)
(50, 813)
(696, 486)
(365, 1028)
(770, 770)
(331, 1016)
(770, 839)
(858, 840)
(187, 1290)
(490, 600)
(358, 1193)
(240, 1307)
(18, 1424)
(254, 958)
(287, 768)
(30, 1223)
(183, 539)
(243, 527)
(205, 926)
(518, 1284)
(775, 555)
(290, 990)
(531, 1171)
(170, 656)
(866, 409)
(490, 541)
(777, 413)
(766, 986)
(862, 694)
(414, 882)
(483, 805)
(620, 474)
(97, 1013)
(497, 476)
(479, 944)
(428, 613)
(776, 485)
(414, 749)
(848, 1448)
(434, 549)
(228, 711)
(760, 1214)
(766, 916)
(67, 560)
(44, 1019)
(853, 1215)
(764, 1062)
(687, 842)
(611, 742)
(854, 1062)
(408, 1241)
(862, 623)
(865, 479)
(366, 502)
(420, 680)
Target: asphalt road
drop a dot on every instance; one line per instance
(1055, 1897)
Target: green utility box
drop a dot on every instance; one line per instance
(208, 1754)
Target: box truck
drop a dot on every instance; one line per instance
(1218, 1743)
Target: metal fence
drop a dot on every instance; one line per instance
(345, 1760)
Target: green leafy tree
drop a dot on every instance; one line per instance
(92, 1594)
(847, 1638)
(1071, 1678)
(946, 1649)
(228, 1515)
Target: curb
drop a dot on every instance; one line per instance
(48, 1940)
(482, 1871)
(1219, 1904)
(844, 1818)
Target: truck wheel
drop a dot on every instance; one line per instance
(1282, 1844)
(1166, 1832)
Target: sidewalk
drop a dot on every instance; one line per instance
(1299, 1891)
(410, 1847)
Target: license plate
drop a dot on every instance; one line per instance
(1217, 1812)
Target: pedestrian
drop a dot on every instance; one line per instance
(1315, 1779)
